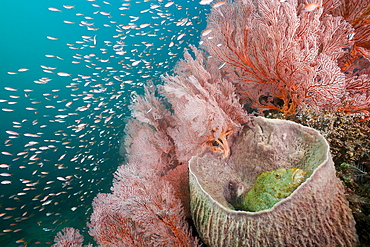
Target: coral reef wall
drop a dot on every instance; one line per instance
(257, 56)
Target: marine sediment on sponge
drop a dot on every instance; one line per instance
(315, 214)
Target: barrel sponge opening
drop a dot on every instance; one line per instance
(315, 214)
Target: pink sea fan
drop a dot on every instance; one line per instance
(147, 142)
(205, 105)
(68, 237)
(279, 57)
(357, 14)
(141, 211)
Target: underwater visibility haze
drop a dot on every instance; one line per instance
(68, 71)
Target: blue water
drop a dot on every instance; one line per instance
(36, 205)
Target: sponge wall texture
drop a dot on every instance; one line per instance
(315, 214)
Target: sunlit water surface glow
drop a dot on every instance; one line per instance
(68, 71)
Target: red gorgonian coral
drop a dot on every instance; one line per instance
(282, 58)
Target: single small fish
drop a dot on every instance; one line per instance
(68, 6)
(206, 32)
(205, 2)
(221, 66)
(180, 36)
(54, 9)
(168, 4)
(94, 39)
(154, 6)
(47, 71)
(10, 132)
(136, 63)
(63, 74)
(4, 166)
(7, 109)
(311, 7)
(51, 38)
(144, 25)
(61, 179)
(350, 36)
(31, 135)
(219, 4)
(46, 203)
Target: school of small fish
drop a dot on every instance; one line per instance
(64, 126)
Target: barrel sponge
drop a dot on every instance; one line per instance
(315, 214)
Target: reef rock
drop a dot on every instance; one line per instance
(315, 214)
